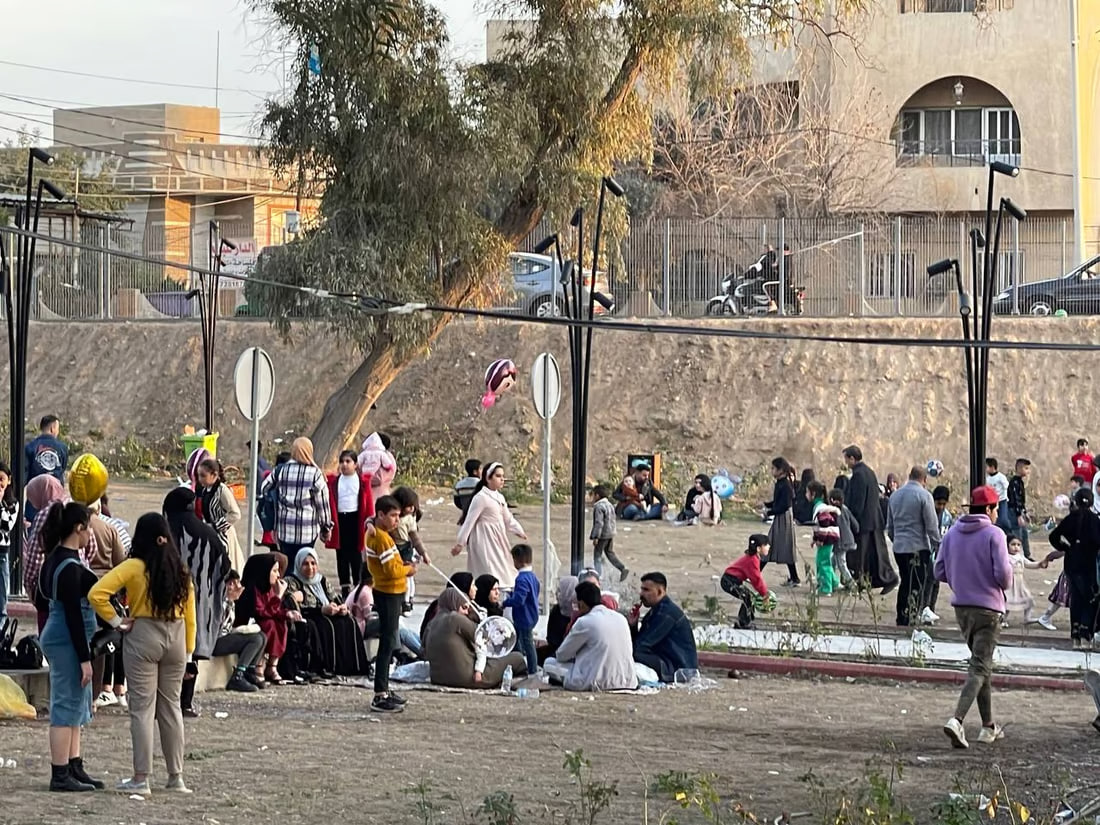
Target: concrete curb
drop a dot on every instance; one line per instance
(777, 666)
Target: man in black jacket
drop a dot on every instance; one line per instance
(870, 561)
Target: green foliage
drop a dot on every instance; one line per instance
(499, 808)
(96, 191)
(596, 795)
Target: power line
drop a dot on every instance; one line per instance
(117, 79)
(105, 116)
(224, 113)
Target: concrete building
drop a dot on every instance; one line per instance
(954, 85)
(181, 174)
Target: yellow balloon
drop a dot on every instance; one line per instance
(87, 479)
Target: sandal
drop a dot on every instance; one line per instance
(273, 677)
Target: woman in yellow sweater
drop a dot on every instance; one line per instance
(160, 639)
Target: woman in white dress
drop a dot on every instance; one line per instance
(484, 530)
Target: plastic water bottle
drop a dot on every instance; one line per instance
(528, 693)
(506, 682)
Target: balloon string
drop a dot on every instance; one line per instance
(473, 605)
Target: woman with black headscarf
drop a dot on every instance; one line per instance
(463, 581)
(340, 648)
(262, 602)
(487, 595)
(802, 508)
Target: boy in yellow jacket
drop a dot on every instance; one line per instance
(390, 573)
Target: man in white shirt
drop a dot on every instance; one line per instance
(598, 653)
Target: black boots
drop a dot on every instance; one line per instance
(62, 779)
(76, 769)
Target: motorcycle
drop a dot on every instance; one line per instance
(752, 292)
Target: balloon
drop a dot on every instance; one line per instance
(934, 467)
(1061, 502)
(498, 635)
(724, 485)
(196, 458)
(499, 378)
(87, 480)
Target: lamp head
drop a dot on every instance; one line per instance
(192, 294)
(546, 243)
(228, 244)
(1015, 211)
(613, 186)
(578, 217)
(964, 305)
(977, 238)
(1002, 168)
(53, 190)
(567, 272)
(41, 155)
(940, 267)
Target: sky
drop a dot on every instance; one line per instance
(147, 45)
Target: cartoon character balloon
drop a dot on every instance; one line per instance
(724, 485)
(499, 378)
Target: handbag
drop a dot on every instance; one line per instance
(105, 640)
(28, 654)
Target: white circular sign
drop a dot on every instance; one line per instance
(265, 385)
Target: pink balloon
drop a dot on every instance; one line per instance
(488, 400)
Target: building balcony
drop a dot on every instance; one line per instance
(949, 153)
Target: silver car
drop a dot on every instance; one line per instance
(536, 280)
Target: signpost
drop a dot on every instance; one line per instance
(546, 393)
(254, 385)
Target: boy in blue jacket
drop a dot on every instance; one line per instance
(524, 602)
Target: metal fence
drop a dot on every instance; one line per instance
(846, 266)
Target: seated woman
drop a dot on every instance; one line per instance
(559, 618)
(487, 595)
(261, 601)
(452, 653)
(687, 513)
(360, 604)
(463, 581)
(340, 649)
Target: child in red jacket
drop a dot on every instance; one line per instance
(743, 581)
(352, 503)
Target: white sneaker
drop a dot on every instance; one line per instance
(990, 735)
(175, 785)
(123, 702)
(928, 617)
(1045, 623)
(956, 733)
(131, 786)
(106, 699)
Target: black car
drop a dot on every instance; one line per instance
(1078, 293)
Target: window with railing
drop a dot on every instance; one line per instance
(957, 137)
(952, 6)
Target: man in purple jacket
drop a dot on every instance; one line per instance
(973, 561)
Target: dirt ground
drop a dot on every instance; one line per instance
(299, 755)
(307, 755)
(692, 558)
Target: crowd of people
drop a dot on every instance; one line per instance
(132, 616)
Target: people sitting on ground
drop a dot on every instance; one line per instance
(626, 495)
(650, 503)
(464, 582)
(743, 580)
(340, 648)
(487, 595)
(451, 649)
(246, 642)
(687, 512)
(261, 601)
(465, 487)
(598, 653)
(702, 505)
(802, 508)
(663, 640)
(609, 598)
(360, 604)
(560, 617)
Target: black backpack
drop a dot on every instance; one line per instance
(268, 502)
(28, 654)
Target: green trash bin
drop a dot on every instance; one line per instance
(194, 442)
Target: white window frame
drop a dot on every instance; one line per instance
(987, 139)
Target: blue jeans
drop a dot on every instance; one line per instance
(1004, 520)
(525, 644)
(632, 512)
(5, 580)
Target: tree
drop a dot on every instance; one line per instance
(92, 188)
(433, 171)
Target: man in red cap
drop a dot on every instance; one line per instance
(973, 562)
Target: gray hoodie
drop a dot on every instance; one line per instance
(603, 519)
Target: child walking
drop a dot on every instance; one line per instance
(524, 601)
(825, 520)
(940, 498)
(849, 527)
(1018, 598)
(1018, 517)
(743, 580)
(603, 532)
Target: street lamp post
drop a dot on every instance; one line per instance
(207, 295)
(977, 317)
(17, 307)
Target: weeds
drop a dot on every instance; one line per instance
(595, 795)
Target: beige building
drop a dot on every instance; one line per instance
(182, 175)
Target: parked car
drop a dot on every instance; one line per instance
(536, 281)
(1078, 293)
